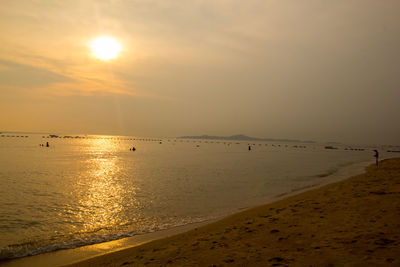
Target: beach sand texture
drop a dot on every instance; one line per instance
(350, 223)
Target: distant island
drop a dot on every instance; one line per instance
(241, 137)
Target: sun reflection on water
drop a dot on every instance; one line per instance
(103, 199)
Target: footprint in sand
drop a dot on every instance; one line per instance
(276, 259)
(271, 220)
(384, 242)
(279, 210)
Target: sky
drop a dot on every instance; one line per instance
(308, 70)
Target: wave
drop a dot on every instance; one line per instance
(70, 241)
(336, 169)
(327, 173)
(34, 247)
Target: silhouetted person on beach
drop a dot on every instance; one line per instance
(249, 148)
(47, 144)
(376, 155)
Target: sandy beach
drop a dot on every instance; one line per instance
(349, 223)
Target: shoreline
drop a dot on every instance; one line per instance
(73, 255)
(351, 222)
(77, 255)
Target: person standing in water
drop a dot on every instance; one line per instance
(376, 155)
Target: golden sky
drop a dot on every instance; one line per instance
(311, 70)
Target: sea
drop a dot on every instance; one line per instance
(88, 189)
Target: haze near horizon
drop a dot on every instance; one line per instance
(309, 70)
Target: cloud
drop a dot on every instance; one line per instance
(26, 76)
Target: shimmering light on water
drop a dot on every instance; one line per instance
(103, 200)
(88, 190)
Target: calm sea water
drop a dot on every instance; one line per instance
(83, 191)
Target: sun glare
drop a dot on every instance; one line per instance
(105, 48)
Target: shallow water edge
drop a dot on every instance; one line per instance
(70, 256)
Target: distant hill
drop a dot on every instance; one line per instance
(241, 137)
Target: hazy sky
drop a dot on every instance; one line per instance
(311, 70)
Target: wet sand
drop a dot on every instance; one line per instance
(350, 223)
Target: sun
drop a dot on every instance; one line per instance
(105, 47)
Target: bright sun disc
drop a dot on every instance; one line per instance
(105, 48)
